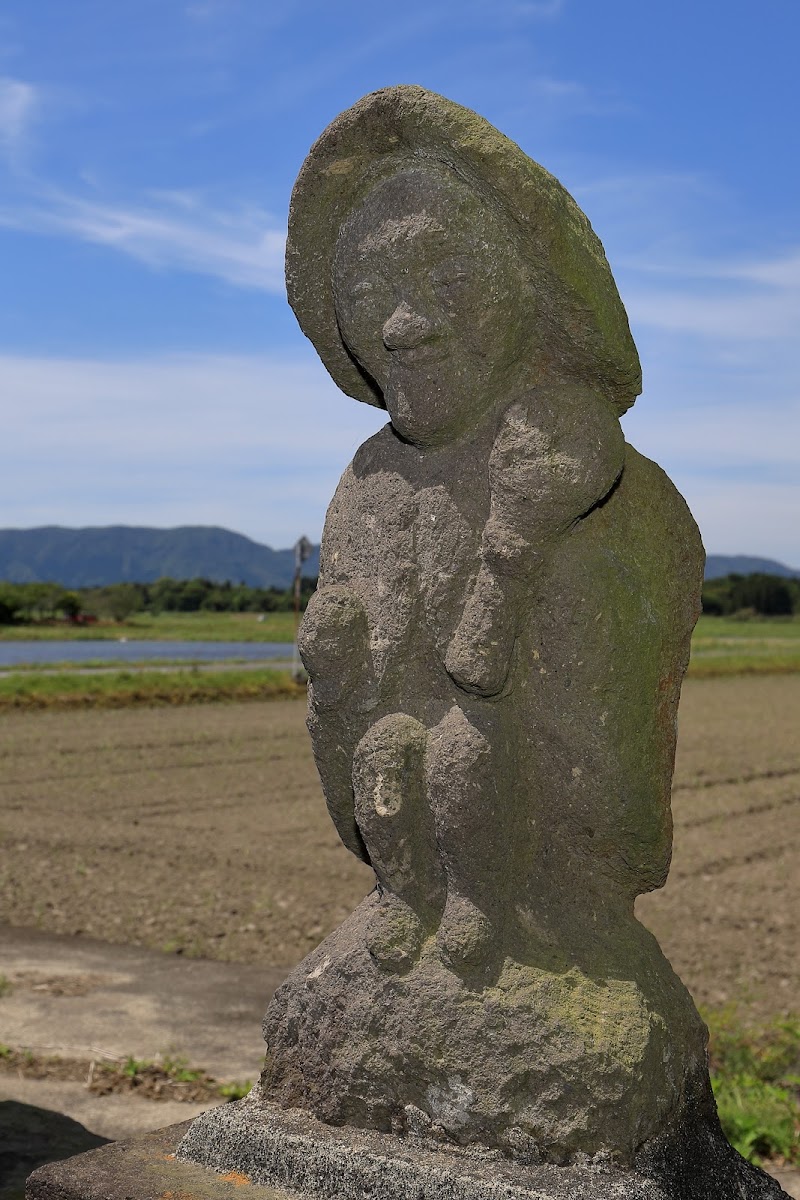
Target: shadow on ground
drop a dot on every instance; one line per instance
(31, 1136)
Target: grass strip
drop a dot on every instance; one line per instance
(165, 627)
(123, 689)
(748, 628)
(160, 1079)
(139, 664)
(42, 690)
(742, 664)
(755, 1074)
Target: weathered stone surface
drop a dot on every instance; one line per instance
(495, 653)
(292, 1150)
(327, 1163)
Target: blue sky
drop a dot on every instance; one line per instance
(150, 369)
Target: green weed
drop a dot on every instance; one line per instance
(179, 1070)
(755, 1074)
(235, 1091)
(174, 1070)
(760, 1119)
(131, 1067)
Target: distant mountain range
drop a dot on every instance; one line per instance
(125, 553)
(120, 553)
(743, 564)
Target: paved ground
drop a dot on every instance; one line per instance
(83, 999)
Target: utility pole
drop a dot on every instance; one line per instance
(302, 551)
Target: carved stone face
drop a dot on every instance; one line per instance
(430, 298)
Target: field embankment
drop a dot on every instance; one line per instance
(753, 646)
(163, 627)
(138, 687)
(722, 647)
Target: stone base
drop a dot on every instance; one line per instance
(290, 1150)
(322, 1163)
(140, 1168)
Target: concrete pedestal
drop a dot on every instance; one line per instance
(280, 1155)
(140, 1168)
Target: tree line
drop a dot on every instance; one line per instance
(22, 603)
(766, 595)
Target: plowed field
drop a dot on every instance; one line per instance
(203, 831)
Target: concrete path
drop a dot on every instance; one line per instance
(79, 998)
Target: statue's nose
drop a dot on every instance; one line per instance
(405, 328)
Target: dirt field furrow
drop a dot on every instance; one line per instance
(63, 777)
(750, 810)
(765, 835)
(734, 862)
(754, 777)
(724, 802)
(204, 831)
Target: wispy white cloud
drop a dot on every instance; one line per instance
(721, 406)
(537, 9)
(745, 516)
(18, 103)
(572, 98)
(735, 461)
(716, 315)
(781, 270)
(727, 300)
(758, 437)
(717, 335)
(257, 443)
(540, 8)
(654, 224)
(243, 246)
(649, 215)
(254, 443)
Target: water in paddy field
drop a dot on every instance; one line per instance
(46, 653)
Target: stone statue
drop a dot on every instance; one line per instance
(495, 654)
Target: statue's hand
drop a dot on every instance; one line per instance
(555, 456)
(334, 645)
(479, 656)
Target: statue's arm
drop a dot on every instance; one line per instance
(556, 456)
(334, 646)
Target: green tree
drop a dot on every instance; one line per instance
(124, 599)
(11, 603)
(70, 605)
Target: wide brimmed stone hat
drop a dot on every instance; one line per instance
(398, 128)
